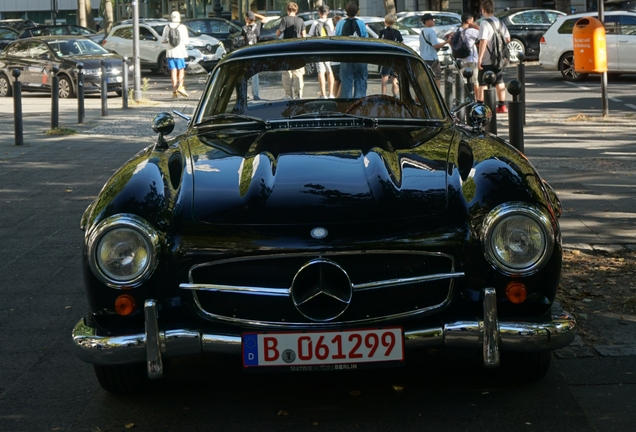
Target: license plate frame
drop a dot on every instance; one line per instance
(321, 350)
(113, 80)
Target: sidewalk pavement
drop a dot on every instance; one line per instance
(588, 160)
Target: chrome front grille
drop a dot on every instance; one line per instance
(264, 290)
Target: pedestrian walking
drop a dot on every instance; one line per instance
(321, 28)
(175, 35)
(429, 46)
(292, 27)
(389, 33)
(335, 66)
(251, 32)
(487, 33)
(353, 76)
(468, 33)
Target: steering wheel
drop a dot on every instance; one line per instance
(379, 106)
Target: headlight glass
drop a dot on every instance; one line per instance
(518, 239)
(123, 254)
(123, 251)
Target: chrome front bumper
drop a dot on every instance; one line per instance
(489, 334)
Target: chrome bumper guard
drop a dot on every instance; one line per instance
(489, 334)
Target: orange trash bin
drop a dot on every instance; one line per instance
(590, 48)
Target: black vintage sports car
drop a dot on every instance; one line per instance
(35, 58)
(307, 234)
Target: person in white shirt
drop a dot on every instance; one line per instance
(470, 33)
(320, 28)
(176, 55)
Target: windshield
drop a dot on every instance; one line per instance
(76, 47)
(232, 89)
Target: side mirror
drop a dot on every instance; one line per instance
(163, 124)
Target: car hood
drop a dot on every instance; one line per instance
(203, 40)
(291, 177)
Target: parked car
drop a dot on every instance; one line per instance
(321, 235)
(60, 29)
(35, 58)
(268, 32)
(218, 28)
(314, 15)
(526, 26)
(445, 22)
(620, 27)
(7, 35)
(17, 23)
(204, 51)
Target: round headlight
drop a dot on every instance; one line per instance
(122, 254)
(517, 238)
(123, 251)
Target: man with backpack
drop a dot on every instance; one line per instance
(463, 45)
(175, 35)
(389, 33)
(353, 76)
(493, 36)
(251, 32)
(292, 27)
(321, 28)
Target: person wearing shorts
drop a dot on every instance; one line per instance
(175, 56)
(325, 74)
(486, 44)
(389, 33)
(429, 47)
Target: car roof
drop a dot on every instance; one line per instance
(587, 14)
(420, 13)
(512, 11)
(310, 46)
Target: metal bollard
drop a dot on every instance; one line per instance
(470, 88)
(521, 76)
(448, 86)
(459, 89)
(55, 97)
(80, 93)
(490, 99)
(124, 84)
(515, 115)
(104, 88)
(17, 108)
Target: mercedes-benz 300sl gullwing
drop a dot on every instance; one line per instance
(298, 232)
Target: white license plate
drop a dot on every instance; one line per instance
(323, 348)
(111, 80)
(208, 57)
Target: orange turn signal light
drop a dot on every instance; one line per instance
(125, 305)
(516, 292)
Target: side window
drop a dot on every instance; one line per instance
(19, 50)
(611, 24)
(411, 21)
(219, 27)
(38, 50)
(145, 34)
(567, 26)
(197, 26)
(552, 17)
(628, 25)
(7, 34)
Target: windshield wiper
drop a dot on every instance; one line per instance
(221, 117)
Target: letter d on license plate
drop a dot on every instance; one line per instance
(323, 348)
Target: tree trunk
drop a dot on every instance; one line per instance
(90, 21)
(81, 13)
(389, 6)
(108, 16)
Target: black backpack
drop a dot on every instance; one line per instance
(290, 30)
(350, 27)
(250, 34)
(500, 54)
(459, 46)
(174, 36)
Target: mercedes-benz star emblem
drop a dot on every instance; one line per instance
(319, 233)
(321, 290)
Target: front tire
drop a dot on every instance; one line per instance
(123, 379)
(65, 88)
(5, 86)
(516, 47)
(566, 67)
